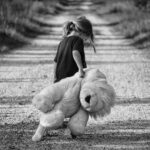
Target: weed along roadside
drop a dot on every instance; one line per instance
(130, 18)
(17, 21)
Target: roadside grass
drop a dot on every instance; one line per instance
(129, 20)
(17, 22)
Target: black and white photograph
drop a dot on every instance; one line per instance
(74, 74)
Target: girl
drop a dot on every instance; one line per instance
(70, 56)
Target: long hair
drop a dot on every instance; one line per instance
(68, 27)
(81, 25)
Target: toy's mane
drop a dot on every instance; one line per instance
(108, 99)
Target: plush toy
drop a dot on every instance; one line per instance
(74, 98)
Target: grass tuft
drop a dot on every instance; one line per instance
(16, 19)
(132, 22)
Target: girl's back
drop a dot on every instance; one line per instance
(66, 65)
(70, 57)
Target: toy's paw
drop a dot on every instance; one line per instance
(36, 138)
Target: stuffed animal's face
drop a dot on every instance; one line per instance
(97, 98)
(89, 98)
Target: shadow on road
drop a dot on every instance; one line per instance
(124, 134)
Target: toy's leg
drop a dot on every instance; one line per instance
(51, 120)
(39, 133)
(78, 122)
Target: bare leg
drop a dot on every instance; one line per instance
(39, 133)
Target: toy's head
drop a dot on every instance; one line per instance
(97, 97)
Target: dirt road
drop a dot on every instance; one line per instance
(25, 71)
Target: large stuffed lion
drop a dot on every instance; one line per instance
(74, 98)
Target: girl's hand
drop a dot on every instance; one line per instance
(81, 73)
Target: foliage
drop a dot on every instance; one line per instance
(120, 7)
(131, 21)
(13, 10)
(16, 10)
(141, 3)
(16, 20)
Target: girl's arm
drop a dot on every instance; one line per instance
(55, 64)
(77, 58)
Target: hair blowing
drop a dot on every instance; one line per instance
(81, 25)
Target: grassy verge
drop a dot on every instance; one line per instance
(17, 20)
(126, 18)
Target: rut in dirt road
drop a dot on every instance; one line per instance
(25, 71)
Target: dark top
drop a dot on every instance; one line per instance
(66, 66)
